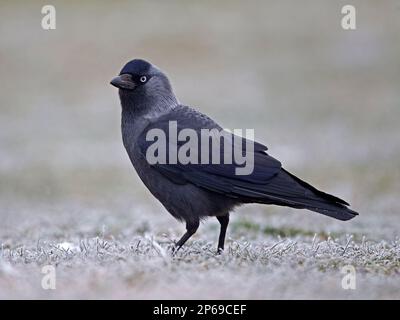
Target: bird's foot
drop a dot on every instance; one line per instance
(175, 250)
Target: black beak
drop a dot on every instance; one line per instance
(123, 81)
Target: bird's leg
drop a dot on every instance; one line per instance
(224, 221)
(191, 228)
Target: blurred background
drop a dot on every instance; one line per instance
(324, 100)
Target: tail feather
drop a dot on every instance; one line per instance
(285, 189)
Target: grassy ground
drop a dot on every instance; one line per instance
(135, 261)
(325, 101)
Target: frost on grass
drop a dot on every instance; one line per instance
(367, 256)
(145, 267)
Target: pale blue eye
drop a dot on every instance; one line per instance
(143, 79)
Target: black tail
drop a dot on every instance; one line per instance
(285, 189)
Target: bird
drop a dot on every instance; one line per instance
(192, 192)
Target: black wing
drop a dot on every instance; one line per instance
(221, 178)
(268, 182)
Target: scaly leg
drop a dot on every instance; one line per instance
(191, 228)
(224, 221)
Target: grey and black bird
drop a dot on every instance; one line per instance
(192, 191)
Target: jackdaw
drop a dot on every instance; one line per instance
(193, 191)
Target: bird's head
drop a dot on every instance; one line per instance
(141, 83)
